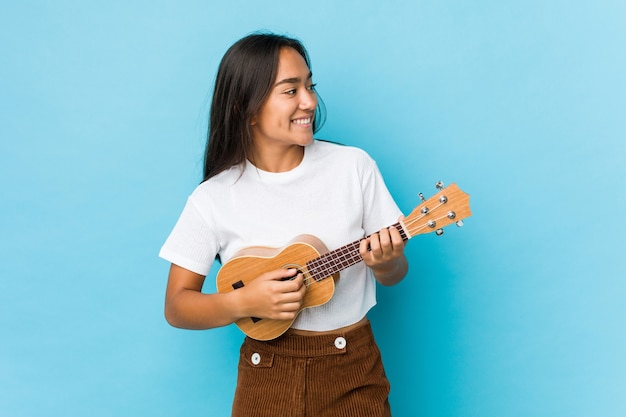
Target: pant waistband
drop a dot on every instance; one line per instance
(332, 343)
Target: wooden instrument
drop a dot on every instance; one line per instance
(309, 256)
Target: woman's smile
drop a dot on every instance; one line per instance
(306, 121)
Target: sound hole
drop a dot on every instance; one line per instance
(298, 271)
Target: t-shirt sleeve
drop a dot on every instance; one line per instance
(193, 243)
(380, 209)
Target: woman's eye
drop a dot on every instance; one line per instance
(294, 91)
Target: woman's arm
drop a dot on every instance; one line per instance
(268, 296)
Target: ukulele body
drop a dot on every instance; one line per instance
(247, 264)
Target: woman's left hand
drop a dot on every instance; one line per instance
(383, 252)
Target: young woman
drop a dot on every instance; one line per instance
(266, 181)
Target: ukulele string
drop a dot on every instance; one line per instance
(425, 225)
(329, 263)
(334, 261)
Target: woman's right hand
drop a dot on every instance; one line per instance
(276, 295)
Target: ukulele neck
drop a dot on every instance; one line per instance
(341, 258)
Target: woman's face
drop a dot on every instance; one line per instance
(286, 117)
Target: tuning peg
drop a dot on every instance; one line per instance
(439, 232)
(439, 185)
(421, 196)
(459, 223)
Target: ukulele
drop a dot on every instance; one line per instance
(309, 256)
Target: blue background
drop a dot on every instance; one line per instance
(522, 103)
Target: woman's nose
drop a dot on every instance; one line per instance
(308, 100)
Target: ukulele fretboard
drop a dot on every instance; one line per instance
(340, 258)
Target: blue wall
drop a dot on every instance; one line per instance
(522, 103)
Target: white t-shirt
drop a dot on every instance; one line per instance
(336, 194)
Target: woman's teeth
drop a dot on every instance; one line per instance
(302, 121)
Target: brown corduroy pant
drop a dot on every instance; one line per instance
(338, 375)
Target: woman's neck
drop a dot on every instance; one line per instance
(281, 159)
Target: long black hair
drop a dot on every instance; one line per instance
(244, 80)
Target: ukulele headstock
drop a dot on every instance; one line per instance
(449, 205)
